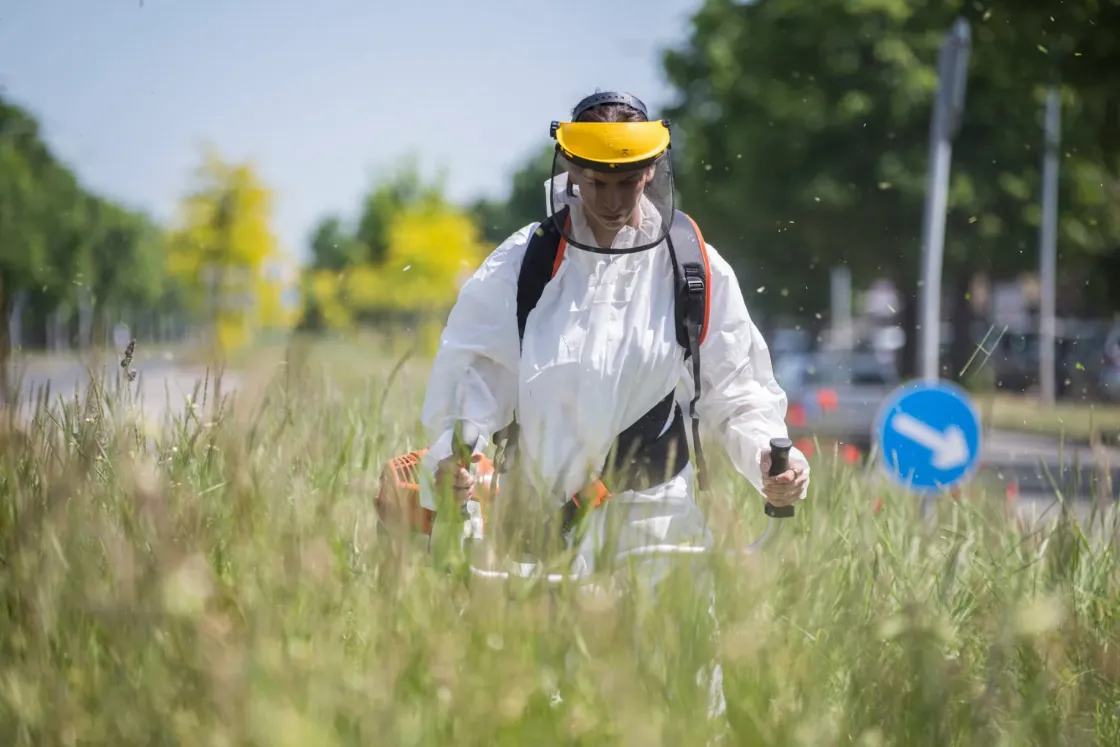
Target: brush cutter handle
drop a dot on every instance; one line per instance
(779, 463)
(464, 437)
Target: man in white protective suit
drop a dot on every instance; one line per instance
(580, 337)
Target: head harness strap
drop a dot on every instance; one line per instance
(609, 97)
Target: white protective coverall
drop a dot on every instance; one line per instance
(600, 350)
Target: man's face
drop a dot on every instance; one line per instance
(610, 199)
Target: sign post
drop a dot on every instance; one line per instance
(948, 107)
(1048, 246)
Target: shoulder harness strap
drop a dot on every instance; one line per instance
(691, 272)
(693, 280)
(542, 259)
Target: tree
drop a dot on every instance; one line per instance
(335, 244)
(63, 248)
(404, 259)
(432, 250)
(127, 263)
(403, 190)
(222, 246)
(22, 240)
(801, 134)
(332, 248)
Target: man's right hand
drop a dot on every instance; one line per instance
(452, 475)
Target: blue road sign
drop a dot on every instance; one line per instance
(929, 435)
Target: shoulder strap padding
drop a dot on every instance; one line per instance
(542, 258)
(693, 276)
(694, 290)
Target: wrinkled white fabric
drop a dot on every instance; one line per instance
(600, 350)
(556, 194)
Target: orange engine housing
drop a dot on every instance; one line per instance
(398, 494)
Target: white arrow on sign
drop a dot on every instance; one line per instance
(949, 446)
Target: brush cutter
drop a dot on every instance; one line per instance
(398, 507)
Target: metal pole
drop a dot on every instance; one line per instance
(933, 248)
(841, 292)
(1048, 246)
(947, 109)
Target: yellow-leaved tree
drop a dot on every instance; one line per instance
(404, 263)
(432, 250)
(223, 248)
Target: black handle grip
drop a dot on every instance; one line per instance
(779, 463)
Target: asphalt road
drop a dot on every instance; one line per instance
(162, 387)
(1038, 467)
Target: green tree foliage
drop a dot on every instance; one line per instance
(336, 245)
(61, 245)
(406, 189)
(802, 135)
(332, 248)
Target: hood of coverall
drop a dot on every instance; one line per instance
(610, 173)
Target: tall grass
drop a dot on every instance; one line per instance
(221, 581)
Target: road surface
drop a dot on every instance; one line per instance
(162, 387)
(1037, 467)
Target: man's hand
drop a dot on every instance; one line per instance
(451, 473)
(787, 487)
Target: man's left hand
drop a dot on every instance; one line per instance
(787, 487)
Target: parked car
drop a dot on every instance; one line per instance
(835, 396)
(1108, 380)
(1086, 361)
(1015, 361)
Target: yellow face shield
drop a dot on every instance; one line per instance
(617, 175)
(612, 146)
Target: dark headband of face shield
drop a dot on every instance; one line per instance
(609, 97)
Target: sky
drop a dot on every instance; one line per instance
(321, 95)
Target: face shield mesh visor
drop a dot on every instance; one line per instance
(629, 207)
